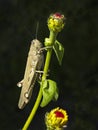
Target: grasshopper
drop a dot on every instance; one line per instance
(33, 66)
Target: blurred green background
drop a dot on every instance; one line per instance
(77, 78)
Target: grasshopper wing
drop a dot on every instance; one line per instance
(34, 62)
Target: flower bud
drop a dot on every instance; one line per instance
(56, 119)
(56, 22)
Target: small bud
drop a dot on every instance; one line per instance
(56, 119)
(56, 22)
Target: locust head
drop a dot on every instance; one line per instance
(37, 44)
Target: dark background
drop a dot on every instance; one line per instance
(77, 78)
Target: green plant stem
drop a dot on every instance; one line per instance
(25, 127)
(52, 39)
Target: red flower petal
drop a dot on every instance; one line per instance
(57, 15)
(59, 114)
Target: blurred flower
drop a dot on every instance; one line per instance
(56, 22)
(56, 119)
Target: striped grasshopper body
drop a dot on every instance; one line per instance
(34, 63)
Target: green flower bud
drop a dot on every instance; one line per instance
(56, 22)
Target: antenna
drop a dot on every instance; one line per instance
(37, 26)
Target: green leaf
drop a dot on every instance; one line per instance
(50, 92)
(59, 51)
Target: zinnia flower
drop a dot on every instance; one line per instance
(56, 119)
(56, 22)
